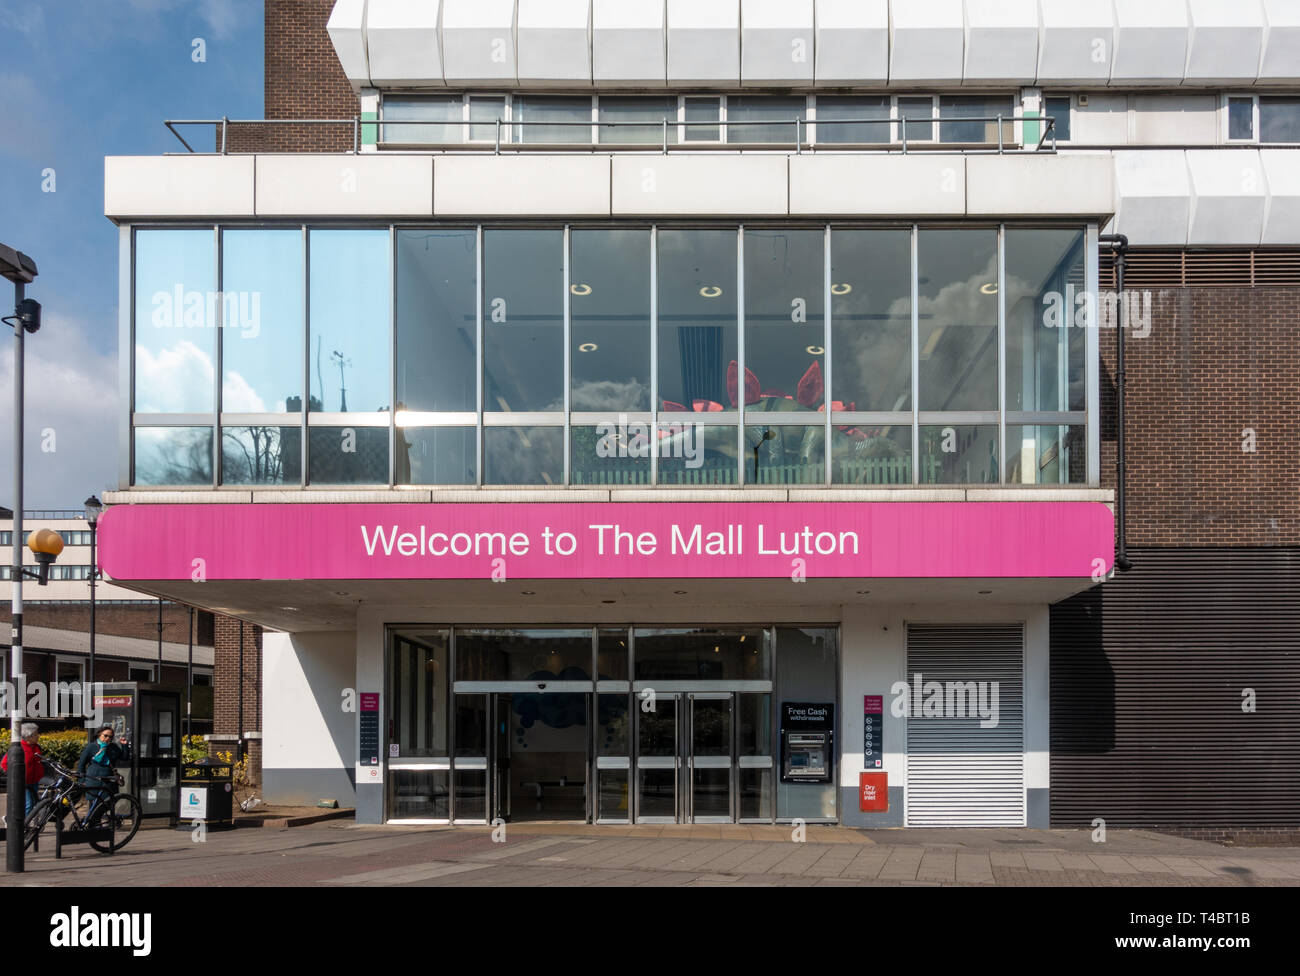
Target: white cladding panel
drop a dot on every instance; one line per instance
(402, 42)
(920, 184)
(629, 43)
(703, 42)
(1001, 40)
(523, 185)
(852, 42)
(554, 42)
(1153, 196)
(1150, 41)
(1225, 41)
(776, 42)
(1229, 193)
(346, 28)
(1043, 184)
(478, 41)
(1280, 61)
(1174, 120)
(1282, 208)
(178, 186)
(1076, 43)
(675, 186)
(926, 41)
(305, 184)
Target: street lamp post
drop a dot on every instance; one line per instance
(21, 270)
(93, 507)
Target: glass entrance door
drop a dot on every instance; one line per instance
(658, 768)
(541, 755)
(710, 759)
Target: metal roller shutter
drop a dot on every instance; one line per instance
(959, 774)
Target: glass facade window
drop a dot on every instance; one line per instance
(700, 112)
(785, 455)
(437, 320)
(1058, 109)
(485, 111)
(543, 654)
(176, 456)
(853, 118)
(351, 312)
(442, 113)
(1047, 454)
(917, 112)
(437, 455)
(871, 454)
(1279, 119)
(552, 118)
(976, 108)
(958, 319)
(1045, 319)
(785, 329)
(523, 320)
(959, 455)
(764, 118)
(696, 654)
(347, 455)
(609, 301)
(698, 312)
(418, 680)
(176, 317)
(871, 319)
(643, 119)
(617, 352)
(523, 456)
(266, 454)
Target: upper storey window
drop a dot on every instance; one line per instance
(670, 120)
(1262, 118)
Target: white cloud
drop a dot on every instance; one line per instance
(176, 378)
(71, 406)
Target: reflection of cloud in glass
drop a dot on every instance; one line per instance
(879, 349)
(610, 394)
(237, 396)
(173, 380)
(961, 302)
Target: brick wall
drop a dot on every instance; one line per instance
(120, 620)
(302, 80)
(1216, 362)
(228, 718)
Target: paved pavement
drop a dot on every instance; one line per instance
(345, 855)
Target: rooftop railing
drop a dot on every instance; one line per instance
(804, 135)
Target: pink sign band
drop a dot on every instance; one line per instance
(607, 540)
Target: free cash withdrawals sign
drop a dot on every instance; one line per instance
(607, 540)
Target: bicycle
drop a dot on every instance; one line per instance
(120, 813)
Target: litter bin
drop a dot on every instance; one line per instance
(208, 793)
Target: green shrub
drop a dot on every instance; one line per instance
(63, 747)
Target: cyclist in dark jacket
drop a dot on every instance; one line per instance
(96, 764)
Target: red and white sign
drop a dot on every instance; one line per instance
(608, 540)
(112, 701)
(873, 792)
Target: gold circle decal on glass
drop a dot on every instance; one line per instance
(815, 350)
(579, 289)
(710, 291)
(841, 289)
(989, 288)
(588, 347)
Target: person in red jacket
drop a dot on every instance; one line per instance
(34, 769)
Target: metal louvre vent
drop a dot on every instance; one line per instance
(958, 773)
(1209, 267)
(1148, 673)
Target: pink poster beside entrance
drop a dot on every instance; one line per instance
(607, 540)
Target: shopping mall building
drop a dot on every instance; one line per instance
(673, 410)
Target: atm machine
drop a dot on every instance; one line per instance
(807, 742)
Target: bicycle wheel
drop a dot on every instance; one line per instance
(36, 820)
(123, 813)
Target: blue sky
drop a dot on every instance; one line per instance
(81, 80)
